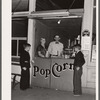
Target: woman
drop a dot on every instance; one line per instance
(41, 49)
(25, 67)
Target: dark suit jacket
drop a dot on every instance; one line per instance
(25, 59)
(79, 60)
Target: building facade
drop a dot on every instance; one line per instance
(28, 27)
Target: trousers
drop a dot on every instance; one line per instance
(25, 79)
(77, 88)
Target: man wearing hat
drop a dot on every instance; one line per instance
(55, 48)
(78, 63)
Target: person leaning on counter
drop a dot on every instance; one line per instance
(55, 48)
(41, 49)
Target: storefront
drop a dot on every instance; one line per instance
(57, 73)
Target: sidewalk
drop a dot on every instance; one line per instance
(47, 94)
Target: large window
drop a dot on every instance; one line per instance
(17, 45)
(19, 36)
(43, 5)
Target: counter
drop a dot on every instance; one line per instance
(55, 73)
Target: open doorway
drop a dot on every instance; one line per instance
(66, 28)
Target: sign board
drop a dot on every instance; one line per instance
(86, 40)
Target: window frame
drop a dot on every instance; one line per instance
(18, 39)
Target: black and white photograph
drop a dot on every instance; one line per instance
(53, 50)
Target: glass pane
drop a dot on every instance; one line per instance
(19, 27)
(20, 5)
(14, 47)
(20, 48)
(58, 4)
(14, 59)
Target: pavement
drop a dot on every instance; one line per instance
(36, 93)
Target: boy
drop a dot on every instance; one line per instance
(78, 63)
(25, 67)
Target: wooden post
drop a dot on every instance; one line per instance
(87, 24)
(31, 32)
(86, 42)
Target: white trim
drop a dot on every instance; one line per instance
(20, 14)
(57, 13)
(19, 38)
(15, 62)
(61, 17)
(61, 11)
(31, 33)
(78, 12)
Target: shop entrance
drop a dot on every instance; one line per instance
(48, 72)
(69, 30)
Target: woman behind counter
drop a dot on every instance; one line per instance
(41, 49)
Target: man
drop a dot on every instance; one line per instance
(25, 67)
(78, 63)
(55, 48)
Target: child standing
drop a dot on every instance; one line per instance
(78, 63)
(25, 67)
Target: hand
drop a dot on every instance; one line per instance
(73, 55)
(24, 68)
(77, 68)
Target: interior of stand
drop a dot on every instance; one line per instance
(68, 28)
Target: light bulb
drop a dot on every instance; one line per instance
(59, 21)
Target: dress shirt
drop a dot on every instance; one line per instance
(55, 48)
